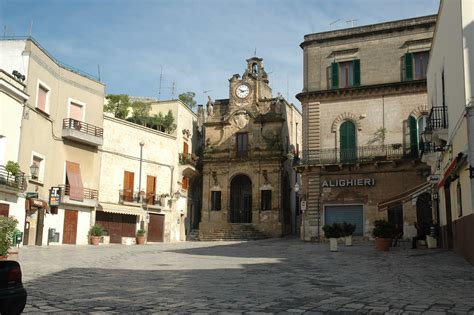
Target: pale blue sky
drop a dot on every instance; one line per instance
(199, 44)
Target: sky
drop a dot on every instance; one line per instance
(193, 45)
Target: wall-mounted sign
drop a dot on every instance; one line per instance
(32, 195)
(54, 196)
(349, 182)
(433, 179)
(303, 205)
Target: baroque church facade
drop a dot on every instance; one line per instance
(250, 141)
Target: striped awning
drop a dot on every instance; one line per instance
(116, 208)
(404, 196)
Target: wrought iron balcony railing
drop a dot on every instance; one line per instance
(129, 195)
(438, 118)
(15, 182)
(92, 194)
(389, 152)
(70, 123)
(188, 159)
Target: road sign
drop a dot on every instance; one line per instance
(303, 205)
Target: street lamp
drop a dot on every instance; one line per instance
(140, 173)
(427, 136)
(34, 170)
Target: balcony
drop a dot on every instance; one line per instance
(129, 197)
(82, 132)
(438, 123)
(91, 196)
(158, 202)
(362, 154)
(187, 164)
(10, 182)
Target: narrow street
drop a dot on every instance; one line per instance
(269, 276)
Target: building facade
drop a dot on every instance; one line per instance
(450, 128)
(364, 107)
(250, 139)
(12, 186)
(61, 132)
(146, 176)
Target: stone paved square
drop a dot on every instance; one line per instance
(258, 277)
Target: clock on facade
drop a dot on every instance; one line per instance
(242, 91)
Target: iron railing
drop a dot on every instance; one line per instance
(438, 118)
(129, 195)
(70, 123)
(360, 154)
(88, 193)
(16, 182)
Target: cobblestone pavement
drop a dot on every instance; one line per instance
(269, 276)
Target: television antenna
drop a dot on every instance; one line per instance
(332, 23)
(351, 21)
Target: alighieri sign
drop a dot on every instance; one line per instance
(369, 182)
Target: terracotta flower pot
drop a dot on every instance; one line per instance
(95, 240)
(140, 240)
(383, 244)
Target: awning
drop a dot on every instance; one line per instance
(453, 168)
(121, 209)
(406, 195)
(73, 173)
(35, 203)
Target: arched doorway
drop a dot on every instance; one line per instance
(424, 216)
(286, 203)
(241, 199)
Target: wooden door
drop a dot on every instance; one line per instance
(39, 227)
(347, 141)
(4, 209)
(150, 189)
(70, 227)
(156, 228)
(241, 200)
(128, 182)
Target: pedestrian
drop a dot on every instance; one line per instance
(420, 234)
(397, 235)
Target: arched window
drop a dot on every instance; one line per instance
(254, 68)
(417, 126)
(347, 141)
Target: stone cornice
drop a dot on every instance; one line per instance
(375, 90)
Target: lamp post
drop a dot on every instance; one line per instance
(140, 173)
(34, 169)
(297, 191)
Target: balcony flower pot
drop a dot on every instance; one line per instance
(141, 240)
(95, 233)
(332, 232)
(383, 232)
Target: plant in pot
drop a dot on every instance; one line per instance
(383, 232)
(7, 232)
(95, 233)
(141, 237)
(347, 231)
(332, 232)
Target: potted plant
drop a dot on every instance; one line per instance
(347, 230)
(383, 232)
(332, 232)
(7, 232)
(95, 233)
(141, 237)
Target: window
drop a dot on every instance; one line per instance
(42, 99)
(185, 149)
(215, 200)
(459, 199)
(415, 65)
(76, 110)
(345, 74)
(347, 141)
(242, 145)
(266, 196)
(38, 160)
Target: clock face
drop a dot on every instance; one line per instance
(242, 91)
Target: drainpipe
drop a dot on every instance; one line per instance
(140, 173)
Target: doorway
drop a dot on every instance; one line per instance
(241, 199)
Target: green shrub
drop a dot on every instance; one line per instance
(348, 229)
(7, 231)
(332, 231)
(96, 230)
(383, 229)
(141, 232)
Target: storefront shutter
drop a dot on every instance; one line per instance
(334, 75)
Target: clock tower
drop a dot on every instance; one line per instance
(247, 172)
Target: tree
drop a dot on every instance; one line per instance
(188, 99)
(141, 113)
(118, 104)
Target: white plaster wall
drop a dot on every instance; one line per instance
(53, 221)
(468, 47)
(11, 57)
(17, 208)
(83, 225)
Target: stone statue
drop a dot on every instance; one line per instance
(210, 107)
(201, 118)
(279, 103)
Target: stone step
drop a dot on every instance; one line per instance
(234, 232)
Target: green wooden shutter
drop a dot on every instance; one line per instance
(356, 65)
(408, 66)
(334, 75)
(347, 141)
(413, 135)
